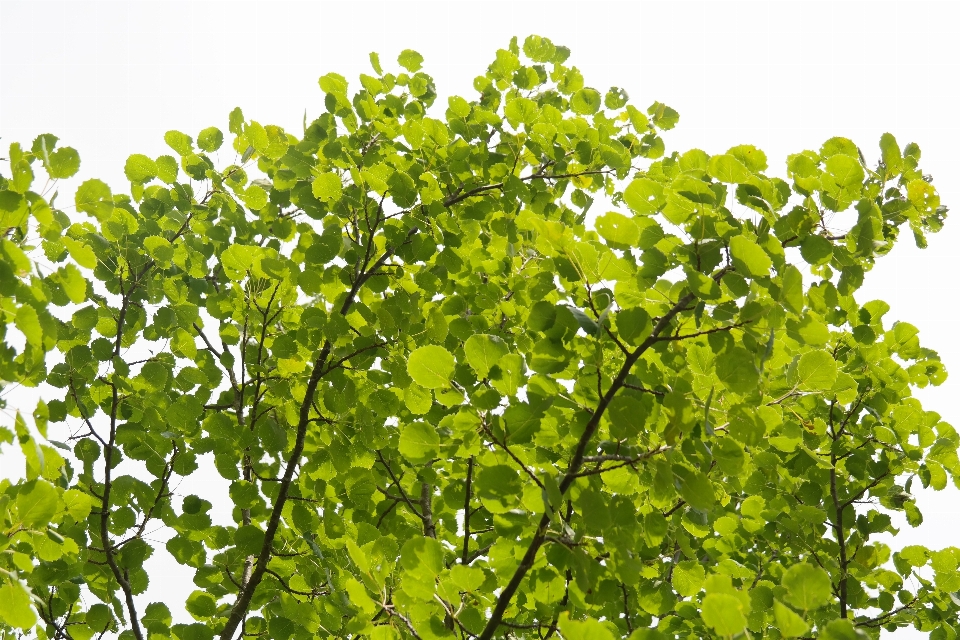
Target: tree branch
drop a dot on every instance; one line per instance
(466, 512)
(459, 197)
(576, 462)
(108, 549)
(320, 368)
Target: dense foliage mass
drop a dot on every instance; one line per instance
(449, 401)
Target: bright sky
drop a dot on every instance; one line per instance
(109, 78)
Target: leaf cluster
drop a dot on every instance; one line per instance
(447, 402)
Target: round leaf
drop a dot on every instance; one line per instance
(410, 60)
(210, 139)
(724, 614)
(816, 371)
(327, 187)
(483, 352)
(748, 258)
(419, 442)
(618, 228)
(586, 101)
(431, 366)
(15, 607)
(140, 169)
(808, 587)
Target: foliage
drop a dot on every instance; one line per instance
(447, 402)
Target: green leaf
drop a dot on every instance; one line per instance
(13, 209)
(201, 604)
(816, 371)
(633, 325)
(77, 503)
(156, 617)
(618, 229)
(724, 614)
(73, 283)
(688, 577)
(509, 378)
(410, 60)
(663, 116)
(37, 506)
(726, 168)
(841, 629)
(748, 258)
(644, 196)
(792, 289)
(483, 352)
(28, 322)
(359, 596)
(586, 101)
(737, 370)
(179, 142)
(210, 139)
(588, 629)
(421, 556)
(498, 487)
(842, 181)
(752, 158)
(695, 488)
(417, 399)
(816, 250)
(63, 163)
(890, 153)
(94, 197)
(159, 248)
(196, 631)
(15, 607)
(467, 578)
(375, 63)
(327, 187)
(239, 259)
(789, 623)
(59, 163)
(808, 586)
(431, 366)
(419, 442)
(521, 111)
(140, 169)
(746, 425)
(539, 49)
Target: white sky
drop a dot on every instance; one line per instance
(109, 78)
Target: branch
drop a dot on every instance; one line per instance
(289, 589)
(623, 461)
(459, 197)
(838, 526)
(856, 496)
(879, 620)
(476, 554)
(703, 333)
(510, 453)
(396, 482)
(576, 462)
(393, 613)
(426, 508)
(626, 608)
(320, 368)
(108, 549)
(643, 389)
(161, 494)
(466, 513)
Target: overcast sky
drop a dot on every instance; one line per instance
(109, 78)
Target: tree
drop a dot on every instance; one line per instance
(448, 402)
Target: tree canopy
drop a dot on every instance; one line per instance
(452, 401)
